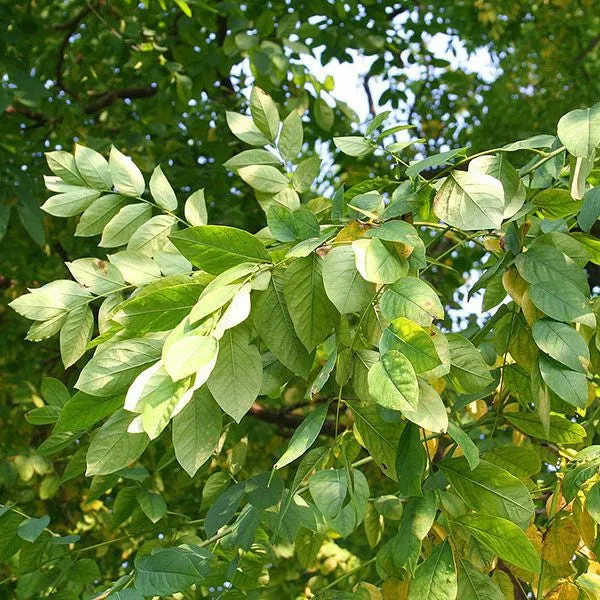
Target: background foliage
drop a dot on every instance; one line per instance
(156, 80)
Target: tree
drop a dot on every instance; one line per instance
(420, 462)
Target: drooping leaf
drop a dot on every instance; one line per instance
(411, 460)
(413, 299)
(393, 382)
(436, 577)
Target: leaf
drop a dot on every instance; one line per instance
(70, 204)
(353, 145)
(251, 157)
(590, 211)
(555, 203)
(170, 570)
(290, 140)
(276, 329)
(136, 268)
(304, 436)
(413, 299)
(435, 578)
(243, 128)
(413, 341)
(570, 386)
(468, 371)
(112, 369)
(592, 502)
(216, 248)
(98, 275)
(310, 310)
(31, 529)
(475, 585)
(93, 168)
(127, 178)
(521, 461)
(377, 261)
(379, 437)
(430, 412)
(112, 448)
(264, 113)
(504, 538)
(536, 141)
(64, 166)
(54, 392)
(411, 461)
(160, 309)
(465, 443)
(123, 225)
(562, 302)
(562, 431)
(264, 178)
(75, 334)
(328, 489)
(323, 114)
(344, 286)
(95, 218)
(393, 382)
(490, 489)
(189, 354)
(195, 207)
(153, 235)
(235, 380)
(579, 131)
(223, 508)
(291, 225)
(470, 201)
(562, 343)
(305, 173)
(83, 411)
(152, 505)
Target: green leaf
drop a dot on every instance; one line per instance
(54, 392)
(98, 275)
(161, 190)
(465, 443)
(112, 369)
(152, 505)
(305, 173)
(353, 145)
(536, 141)
(276, 329)
(264, 178)
(433, 161)
(160, 309)
(411, 298)
(75, 334)
(344, 286)
(123, 225)
(475, 585)
(468, 371)
(93, 167)
(562, 343)
(195, 207)
(83, 411)
(379, 437)
(170, 570)
(560, 300)
(63, 165)
(555, 203)
(311, 311)
(264, 113)
(235, 380)
(521, 461)
(291, 225)
(377, 261)
(250, 157)
(70, 204)
(136, 268)
(153, 235)
(112, 448)
(570, 386)
(562, 431)
(592, 501)
(411, 461)
(328, 489)
(413, 341)
(499, 167)
(243, 128)
(95, 218)
(189, 354)
(504, 538)
(490, 489)
(435, 578)
(290, 140)
(579, 131)
(196, 431)
(223, 508)
(51, 300)
(323, 114)
(127, 178)
(470, 201)
(393, 382)
(430, 412)
(590, 211)
(216, 248)
(31, 529)
(304, 436)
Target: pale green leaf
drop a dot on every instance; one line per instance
(195, 208)
(93, 167)
(161, 190)
(123, 225)
(264, 178)
(127, 178)
(393, 382)
(264, 113)
(411, 298)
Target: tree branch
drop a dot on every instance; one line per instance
(39, 117)
(110, 97)
(286, 420)
(589, 48)
(372, 109)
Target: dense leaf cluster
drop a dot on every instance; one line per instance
(466, 460)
